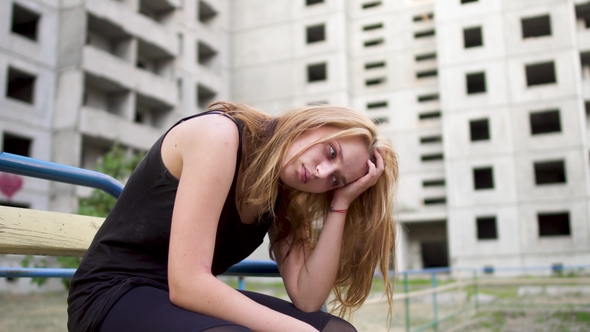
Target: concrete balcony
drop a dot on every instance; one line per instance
(584, 39)
(100, 124)
(429, 214)
(103, 64)
(134, 23)
(210, 78)
(156, 87)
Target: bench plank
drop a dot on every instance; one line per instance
(33, 232)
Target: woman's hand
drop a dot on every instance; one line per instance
(345, 195)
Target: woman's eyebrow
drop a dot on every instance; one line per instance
(341, 157)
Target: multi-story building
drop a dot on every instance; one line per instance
(80, 75)
(515, 94)
(486, 101)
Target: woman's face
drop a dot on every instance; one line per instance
(324, 166)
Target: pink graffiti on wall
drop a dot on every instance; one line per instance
(10, 184)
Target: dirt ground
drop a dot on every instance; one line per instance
(47, 312)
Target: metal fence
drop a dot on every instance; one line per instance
(433, 297)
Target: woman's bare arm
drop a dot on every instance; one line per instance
(202, 154)
(309, 275)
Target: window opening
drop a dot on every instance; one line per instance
(426, 56)
(434, 254)
(108, 37)
(316, 33)
(536, 26)
(20, 85)
(151, 112)
(545, 122)
(205, 54)
(549, 172)
(16, 144)
(373, 27)
(433, 183)
(154, 59)
(25, 22)
(476, 83)
(468, 1)
(427, 73)
(585, 62)
(377, 104)
(435, 200)
(372, 4)
(486, 228)
(205, 96)
(424, 34)
(483, 178)
(375, 81)
(472, 37)
(371, 65)
(432, 157)
(479, 130)
(206, 12)
(374, 42)
(429, 115)
(583, 15)
(540, 73)
(317, 72)
(106, 95)
(312, 2)
(430, 139)
(158, 10)
(423, 17)
(554, 224)
(426, 98)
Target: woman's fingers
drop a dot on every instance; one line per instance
(354, 189)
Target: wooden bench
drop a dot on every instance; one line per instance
(34, 232)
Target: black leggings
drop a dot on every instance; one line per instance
(149, 309)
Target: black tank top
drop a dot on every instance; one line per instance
(131, 248)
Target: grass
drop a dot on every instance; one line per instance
(578, 316)
(503, 292)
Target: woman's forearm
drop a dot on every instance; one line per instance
(210, 296)
(317, 276)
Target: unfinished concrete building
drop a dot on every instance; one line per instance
(486, 101)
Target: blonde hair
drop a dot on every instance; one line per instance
(369, 234)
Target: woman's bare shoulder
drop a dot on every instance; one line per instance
(210, 135)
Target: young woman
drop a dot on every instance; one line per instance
(204, 197)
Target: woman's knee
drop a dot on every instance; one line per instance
(337, 324)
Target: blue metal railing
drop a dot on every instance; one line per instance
(15, 164)
(246, 268)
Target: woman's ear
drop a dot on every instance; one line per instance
(372, 158)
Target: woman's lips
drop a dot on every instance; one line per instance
(303, 174)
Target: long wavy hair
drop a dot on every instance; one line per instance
(369, 233)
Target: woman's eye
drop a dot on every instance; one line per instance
(334, 181)
(332, 152)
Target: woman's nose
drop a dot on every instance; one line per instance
(324, 170)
